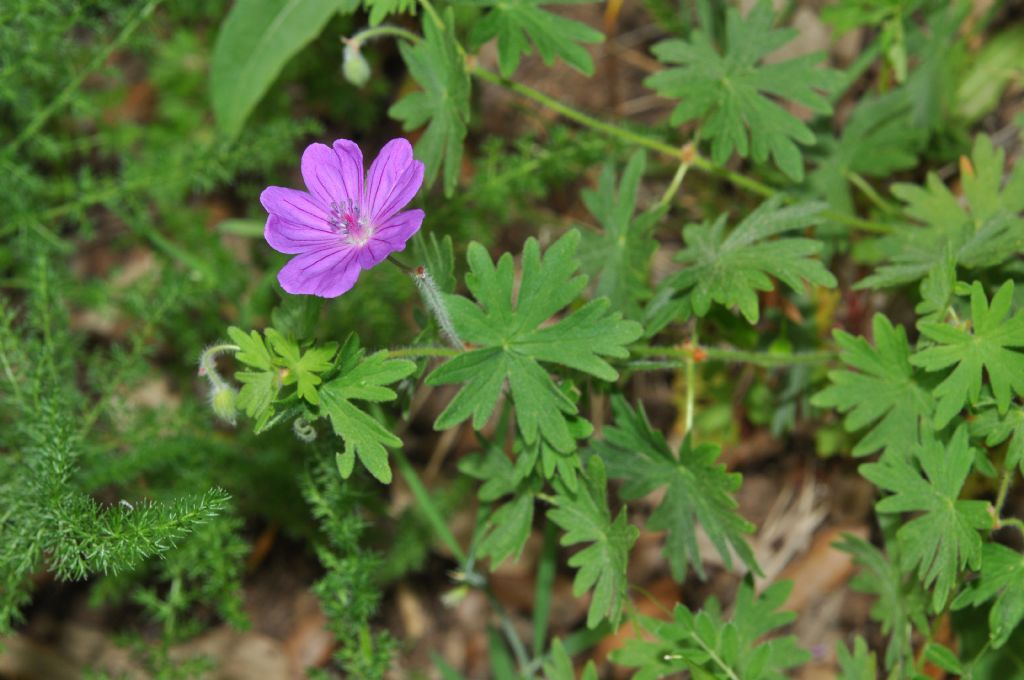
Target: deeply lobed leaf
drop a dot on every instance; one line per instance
(585, 517)
(881, 393)
(698, 490)
(730, 268)
(734, 93)
(512, 343)
(944, 538)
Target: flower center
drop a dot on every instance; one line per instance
(348, 221)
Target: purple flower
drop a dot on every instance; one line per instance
(342, 226)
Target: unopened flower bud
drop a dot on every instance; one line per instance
(354, 65)
(222, 401)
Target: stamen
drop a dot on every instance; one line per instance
(348, 221)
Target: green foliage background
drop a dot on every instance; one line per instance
(135, 139)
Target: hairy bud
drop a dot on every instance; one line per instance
(354, 66)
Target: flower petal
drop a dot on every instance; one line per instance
(285, 237)
(394, 178)
(333, 176)
(351, 159)
(390, 238)
(296, 207)
(327, 272)
(399, 228)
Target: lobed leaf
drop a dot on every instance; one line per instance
(619, 257)
(698, 490)
(881, 394)
(982, 231)
(987, 349)
(511, 344)
(733, 94)
(709, 646)
(901, 603)
(731, 268)
(517, 23)
(586, 518)
(442, 104)
(944, 538)
(364, 436)
(1002, 580)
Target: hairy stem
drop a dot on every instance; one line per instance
(691, 387)
(380, 31)
(434, 301)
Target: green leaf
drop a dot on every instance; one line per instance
(1002, 580)
(877, 141)
(382, 9)
(861, 665)
(511, 343)
(363, 379)
(698, 490)
(256, 40)
(549, 462)
(998, 63)
(996, 429)
(735, 97)
(260, 387)
(259, 390)
(253, 351)
(508, 527)
(941, 52)
(881, 393)
(708, 646)
(586, 518)
(986, 349)
(620, 255)
(296, 316)
(901, 603)
(518, 22)
(301, 368)
(944, 538)
(943, 657)
(559, 665)
(731, 268)
(440, 70)
(982, 231)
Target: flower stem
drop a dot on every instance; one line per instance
(735, 356)
(677, 179)
(380, 31)
(434, 300)
(208, 363)
(869, 191)
(700, 162)
(676, 356)
(416, 352)
(691, 387)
